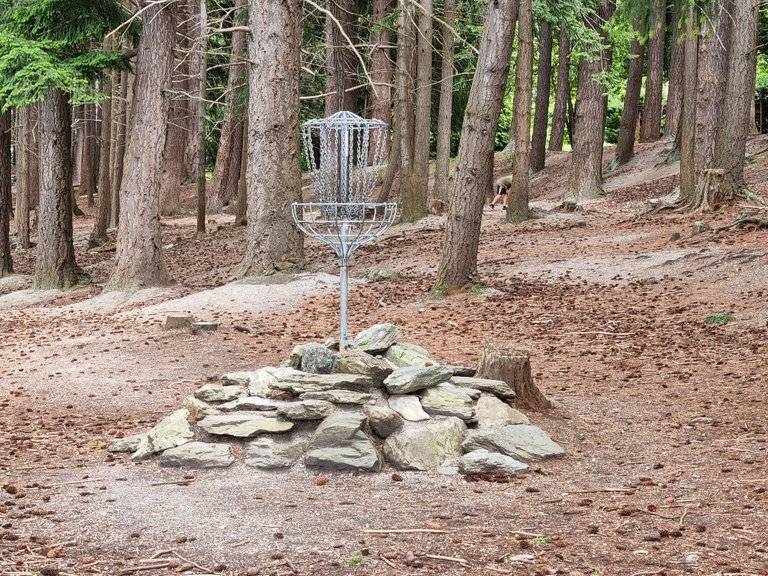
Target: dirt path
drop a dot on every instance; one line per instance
(661, 413)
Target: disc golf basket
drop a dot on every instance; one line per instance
(344, 153)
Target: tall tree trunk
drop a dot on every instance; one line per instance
(740, 92)
(55, 265)
(121, 123)
(227, 168)
(382, 68)
(687, 132)
(201, 64)
(406, 104)
(417, 207)
(650, 128)
(562, 93)
(517, 199)
(192, 38)
(543, 87)
(586, 179)
(341, 61)
(89, 178)
(241, 214)
(6, 202)
(675, 92)
(273, 241)
(474, 170)
(139, 258)
(24, 166)
(713, 68)
(78, 146)
(101, 223)
(445, 108)
(625, 147)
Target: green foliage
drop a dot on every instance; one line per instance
(357, 560)
(717, 319)
(55, 45)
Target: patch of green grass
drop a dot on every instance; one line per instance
(716, 319)
(357, 560)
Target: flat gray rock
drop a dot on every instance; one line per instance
(257, 381)
(353, 361)
(377, 338)
(309, 409)
(491, 412)
(244, 425)
(485, 462)
(251, 404)
(127, 444)
(520, 441)
(473, 393)
(199, 409)
(497, 387)
(339, 396)
(432, 445)
(382, 420)
(339, 442)
(404, 354)
(198, 455)
(447, 401)
(212, 394)
(313, 358)
(408, 406)
(297, 382)
(171, 431)
(415, 378)
(271, 452)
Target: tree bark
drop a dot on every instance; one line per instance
(227, 168)
(687, 132)
(201, 64)
(445, 107)
(241, 214)
(139, 258)
(512, 366)
(6, 202)
(474, 170)
(382, 68)
(417, 208)
(586, 178)
(101, 223)
(89, 177)
(27, 174)
(517, 194)
(341, 61)
(562, 93)
(650, 128)
(121, 121)
(543, 87)
(675, 92)
(55, 266)
(193, 150)
(625, 147)
(740, 92)
(273, 241)
(406, 107)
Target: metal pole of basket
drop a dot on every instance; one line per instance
(344, 153)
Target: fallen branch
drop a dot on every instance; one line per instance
(600, 332)
(77, 482)
(171, 482)
(528, 534)
(188, 561)
(387, 561)
(446, 558)
(158, 566)
(597, 490)
(649, 572)
(406, 531)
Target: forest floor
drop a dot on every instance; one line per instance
(650, 340)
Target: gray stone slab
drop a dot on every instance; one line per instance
(127, 444)
(198, 455)
(484, 462)
(520, 441)
(215, 394)
(415, 378)
(353, 361)
(309, 409)
(382, 420)
(492, 412)
(432, 445)
(447, 401)
(497, 387)
(340, 443)
(404, 354)
(377, 338)
(339, 396)
(276, 451)
(408, 406)
(251, 404)
(244, 424)
(171, 431)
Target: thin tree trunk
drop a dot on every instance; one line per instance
(625, 147)
(543, 87)
(201, 49)
(675, 92)
(406, 106)
(517, 199)
(562, 94)
(6, 202)
(417, 208)
(586, 179)
(474, 171)
(394, 159)
(78, 147)
(90, 171)
(101, 223)
(445, 109)
(191, 36)
(121, 122)
(273, 241)
(687, 132)
(139, 257)
(241, 215)
(24, 166)
(55, 265)
(341, 61)
(227, 168)
(650, 128)
(382, 68)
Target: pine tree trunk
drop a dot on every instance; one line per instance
(474, 170)
(341, 62)
(543, 87)
(423, 116)
(650, 128)
(445, 107)
(406, 107)
(562, 93)
(273, 241)
(89, 178)
(625, 147)
(191, 37)
(139, 257)
(122, 121)
(687, 132)
(24, 165)
(101, 223)
(380, 92)
(55, 265)
(512, 366)
(675, 91)
(517, 200)
(227, 168)
(241, 215)
(6, 202)
(201, 61)
(586, 178)
(78, 147)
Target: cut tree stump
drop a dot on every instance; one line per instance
(513, 366)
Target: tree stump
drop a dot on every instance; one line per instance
(513, 366)
(710, 191)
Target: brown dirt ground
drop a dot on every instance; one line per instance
(663, 415)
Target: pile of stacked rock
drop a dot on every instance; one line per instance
(381, 402)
